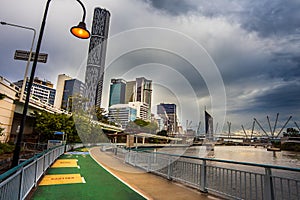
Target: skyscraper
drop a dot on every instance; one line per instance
(60, 85)
(96, 57)
(209, 130)
(140, 90)
(73, 87)
(144, 90)
(117, 91)
(129, 94)
(168, 113)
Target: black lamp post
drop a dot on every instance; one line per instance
(79, 31)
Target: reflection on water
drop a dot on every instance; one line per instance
(248, 154)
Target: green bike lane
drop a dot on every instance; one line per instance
(99, 184)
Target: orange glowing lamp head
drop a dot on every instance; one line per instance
(80, 31)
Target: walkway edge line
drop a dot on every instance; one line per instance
(124, 182)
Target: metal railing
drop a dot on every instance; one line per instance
(30, 146)
(228, 179)
(74, 146)
(17, 182)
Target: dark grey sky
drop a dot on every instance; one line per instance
(254, 45)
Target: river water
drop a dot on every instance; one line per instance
(237, 183)
(251, 154)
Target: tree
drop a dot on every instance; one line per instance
(47, 123)
(100, 114)
(141, 122)
(291, 132)
(141, 126)
(162, 133)
(85, 120)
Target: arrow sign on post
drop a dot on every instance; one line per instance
(24, 55)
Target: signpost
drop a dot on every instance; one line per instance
(24, 55)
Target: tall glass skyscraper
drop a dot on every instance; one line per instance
(72, 87)
(96, 57)
(117, 92)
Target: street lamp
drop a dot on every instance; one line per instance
(29, 57)
(79, 31)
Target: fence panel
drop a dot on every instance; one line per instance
(10, 188)
(18, 182)
(222, 177)
(28, 178)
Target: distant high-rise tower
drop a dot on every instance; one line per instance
(60, 89)
(139, 90)
(72, 88)
(144, 91)
(96, 58)
(117, 92)
(168, 113)
(209, 130)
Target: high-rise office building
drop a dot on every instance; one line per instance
(209, 129)
(144, 91)
(168, 113)
(141, 110)
(140, 90)
(40, 89)
(96, 57)
(117, 92)
(72, 87)
(122, 114)
(60, 85)
(136, 93)
(130, 91)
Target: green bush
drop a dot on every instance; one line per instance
(6, 148)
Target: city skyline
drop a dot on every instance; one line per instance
(254, 45)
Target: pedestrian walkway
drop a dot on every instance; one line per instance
(150, 185)
(99, 175)
(81, 179)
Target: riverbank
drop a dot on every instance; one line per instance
(291, 146)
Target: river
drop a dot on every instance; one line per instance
(251, 154)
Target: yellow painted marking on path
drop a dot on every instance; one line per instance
(56, 179)
(65, 163)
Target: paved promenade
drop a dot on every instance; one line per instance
(149, 185)
(100, 175)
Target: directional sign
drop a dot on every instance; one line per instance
(24, 55)
(58, 133)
